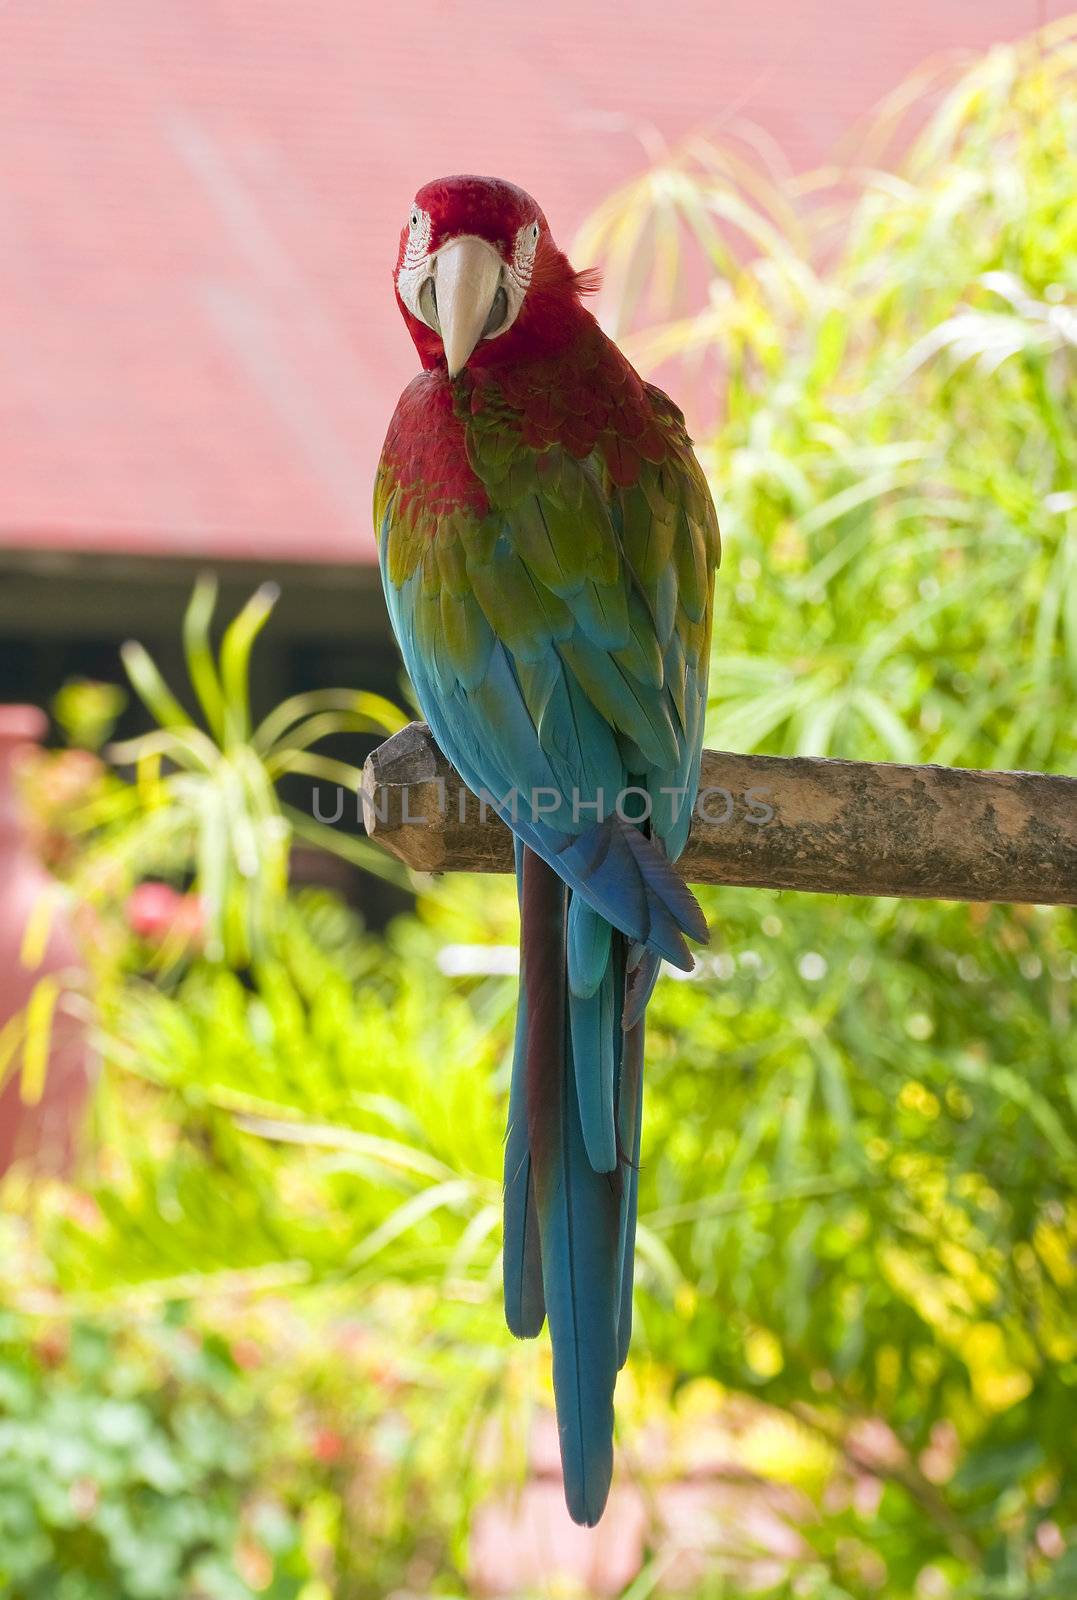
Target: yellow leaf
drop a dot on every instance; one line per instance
(35, 1055)
(35, 936)
(11, 1037)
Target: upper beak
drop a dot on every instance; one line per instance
(468, 276)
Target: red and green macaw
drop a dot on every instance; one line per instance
(548, 547)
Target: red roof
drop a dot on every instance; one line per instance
(199, 204)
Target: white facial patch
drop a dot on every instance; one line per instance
(523, 256)
(416, 264)
(416, 279)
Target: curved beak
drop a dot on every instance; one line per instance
(468, 276)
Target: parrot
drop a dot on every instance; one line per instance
(547, 545)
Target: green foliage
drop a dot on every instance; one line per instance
(237, 1064)
(895, 474)
(252, 1143)
(863, 1150)
(862, 1191)
(205, 800)
(126, 1461)
(87, 711)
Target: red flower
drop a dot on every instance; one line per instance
(156, 912)
(327, 1445)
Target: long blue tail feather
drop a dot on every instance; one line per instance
(578, 1208)
(572, 1158)
(596, 1041)
(525, 1307)
(630, 1128)
(588, 947)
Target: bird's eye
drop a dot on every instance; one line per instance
(535, 231)
(428, 304)
(498, 312)
(413, 221)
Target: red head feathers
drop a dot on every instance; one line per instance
(479, 278)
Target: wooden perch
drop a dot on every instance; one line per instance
(782, 822)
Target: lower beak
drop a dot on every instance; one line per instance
(468, 276)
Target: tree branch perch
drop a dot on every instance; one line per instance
(782, 822)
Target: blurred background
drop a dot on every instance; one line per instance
(254, 1074)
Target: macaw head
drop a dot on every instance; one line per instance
(479, 279)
